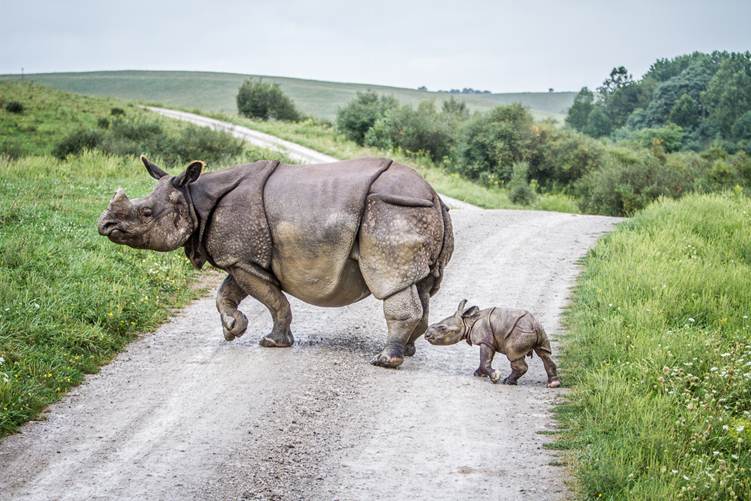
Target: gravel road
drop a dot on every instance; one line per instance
(182, 414)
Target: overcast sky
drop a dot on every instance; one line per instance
(503, 46)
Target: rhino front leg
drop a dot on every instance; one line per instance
(228, 297)
(271, 296)
(403, 311)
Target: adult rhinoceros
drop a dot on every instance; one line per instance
(329, 234)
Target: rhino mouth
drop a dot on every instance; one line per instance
(108, 228)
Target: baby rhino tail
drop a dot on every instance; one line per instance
(543, 343)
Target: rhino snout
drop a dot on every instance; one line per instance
(106, 224)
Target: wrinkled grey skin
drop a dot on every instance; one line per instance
(329, 234)
(497, 330)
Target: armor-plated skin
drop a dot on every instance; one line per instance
(513, 332)
(329, 234)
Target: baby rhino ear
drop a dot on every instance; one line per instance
(471, 312)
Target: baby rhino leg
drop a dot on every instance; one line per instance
(550, 368)
(486, 364)
(518, 369)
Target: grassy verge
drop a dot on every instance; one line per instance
(322, 137)
(659, 355)
(70, 298)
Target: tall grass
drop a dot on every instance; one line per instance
(659, 355)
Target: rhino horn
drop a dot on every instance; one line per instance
(120, 203)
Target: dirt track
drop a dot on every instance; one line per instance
(183, 414)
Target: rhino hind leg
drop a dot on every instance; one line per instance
(423, 290)
(271, 296)
(403, 312)
(228, 297)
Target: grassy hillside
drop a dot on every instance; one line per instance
(209, 91)
(659, 353)
(69, 298)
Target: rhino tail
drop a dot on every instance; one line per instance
(447, 245)
(543, 342)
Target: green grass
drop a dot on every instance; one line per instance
(69, 298)
(49, 115)
(209, 91)
(658, 352)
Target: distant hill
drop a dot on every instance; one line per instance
(210, 91)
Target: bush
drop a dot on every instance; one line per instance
(203, 143)
(257, 99)
(493, 142)
(628, 180)
(133, 137)
(560, 157)
(77, 142)
(103, 123)
(14, 107)
(519, 190)
(420, 130)
(117, 112)
(359, 115)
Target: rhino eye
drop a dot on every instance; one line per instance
(146, 212)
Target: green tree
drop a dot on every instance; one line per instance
(579, 112)
(598, 123)
(415, 130)
(359, 115)
(453, 106)
(728, 94)
(490, 143)
(264, 100)
(686, 112)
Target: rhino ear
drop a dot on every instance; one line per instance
(190, 175)
(471, 312)
(153, 169)
(460, 308)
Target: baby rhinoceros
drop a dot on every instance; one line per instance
(512, 332)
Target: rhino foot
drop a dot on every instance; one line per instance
(282, 339)
(234, 325)
(508, 380)
(409, 350)
(389, 358)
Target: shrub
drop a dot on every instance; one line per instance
(10, 149)
(257, 99)
(359, 115)
(560, 157)
(77, 142)
(206, 144)
(413, 130)
(493, 142)
(519, 190)
(627, 181)
(116, 112)
(14, 107)
(103, 123)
